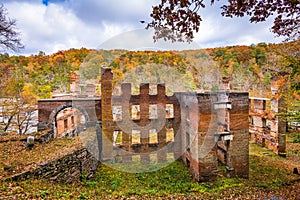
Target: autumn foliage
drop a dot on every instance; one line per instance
(37, 76)
(28, 78)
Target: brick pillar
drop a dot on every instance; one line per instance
(127, 133)
(44, 113)
(192, 130)
(144, 122)
(259, 108)
(183, 129)
(107, 118)
(222, 107)
(161, 97)
(208, 163)
(238, 150)
(178, 151)
(278, 105)
(226, 83)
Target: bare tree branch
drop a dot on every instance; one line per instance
(9, 38)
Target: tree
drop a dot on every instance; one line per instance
(16, 115)
(8, 36)
(17, 102)
(176, 20)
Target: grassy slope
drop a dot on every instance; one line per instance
(16, 156)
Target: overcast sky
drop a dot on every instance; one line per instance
(53, 25)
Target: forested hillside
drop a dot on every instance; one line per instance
(250, 68)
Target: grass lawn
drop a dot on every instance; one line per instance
(271, 176)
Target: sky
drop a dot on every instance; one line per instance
(53, 25)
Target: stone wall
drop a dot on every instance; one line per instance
(69, 168)
(267, 128)
(46, 136)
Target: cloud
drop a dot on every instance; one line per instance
(46, 2)
(141, 39)
(115, 11)
(52, 25)
(216, 30)
(12, 1)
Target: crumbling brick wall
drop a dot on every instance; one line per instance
(267, 127)
(197, 120)
(223, 134)
(140, 126)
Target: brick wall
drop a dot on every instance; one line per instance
(128, 124)
(267, 128)
(48, 109)
(134, 123)
(239, 147)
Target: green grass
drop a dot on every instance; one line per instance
(111, 183)
(296, 138)
(267, 173)
(173, 180)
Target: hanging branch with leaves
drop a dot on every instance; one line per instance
(177, 20)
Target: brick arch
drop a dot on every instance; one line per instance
(64, 106)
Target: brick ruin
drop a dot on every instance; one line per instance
(267, 128)
(68, 121)
(199, 129)
(68, 116)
